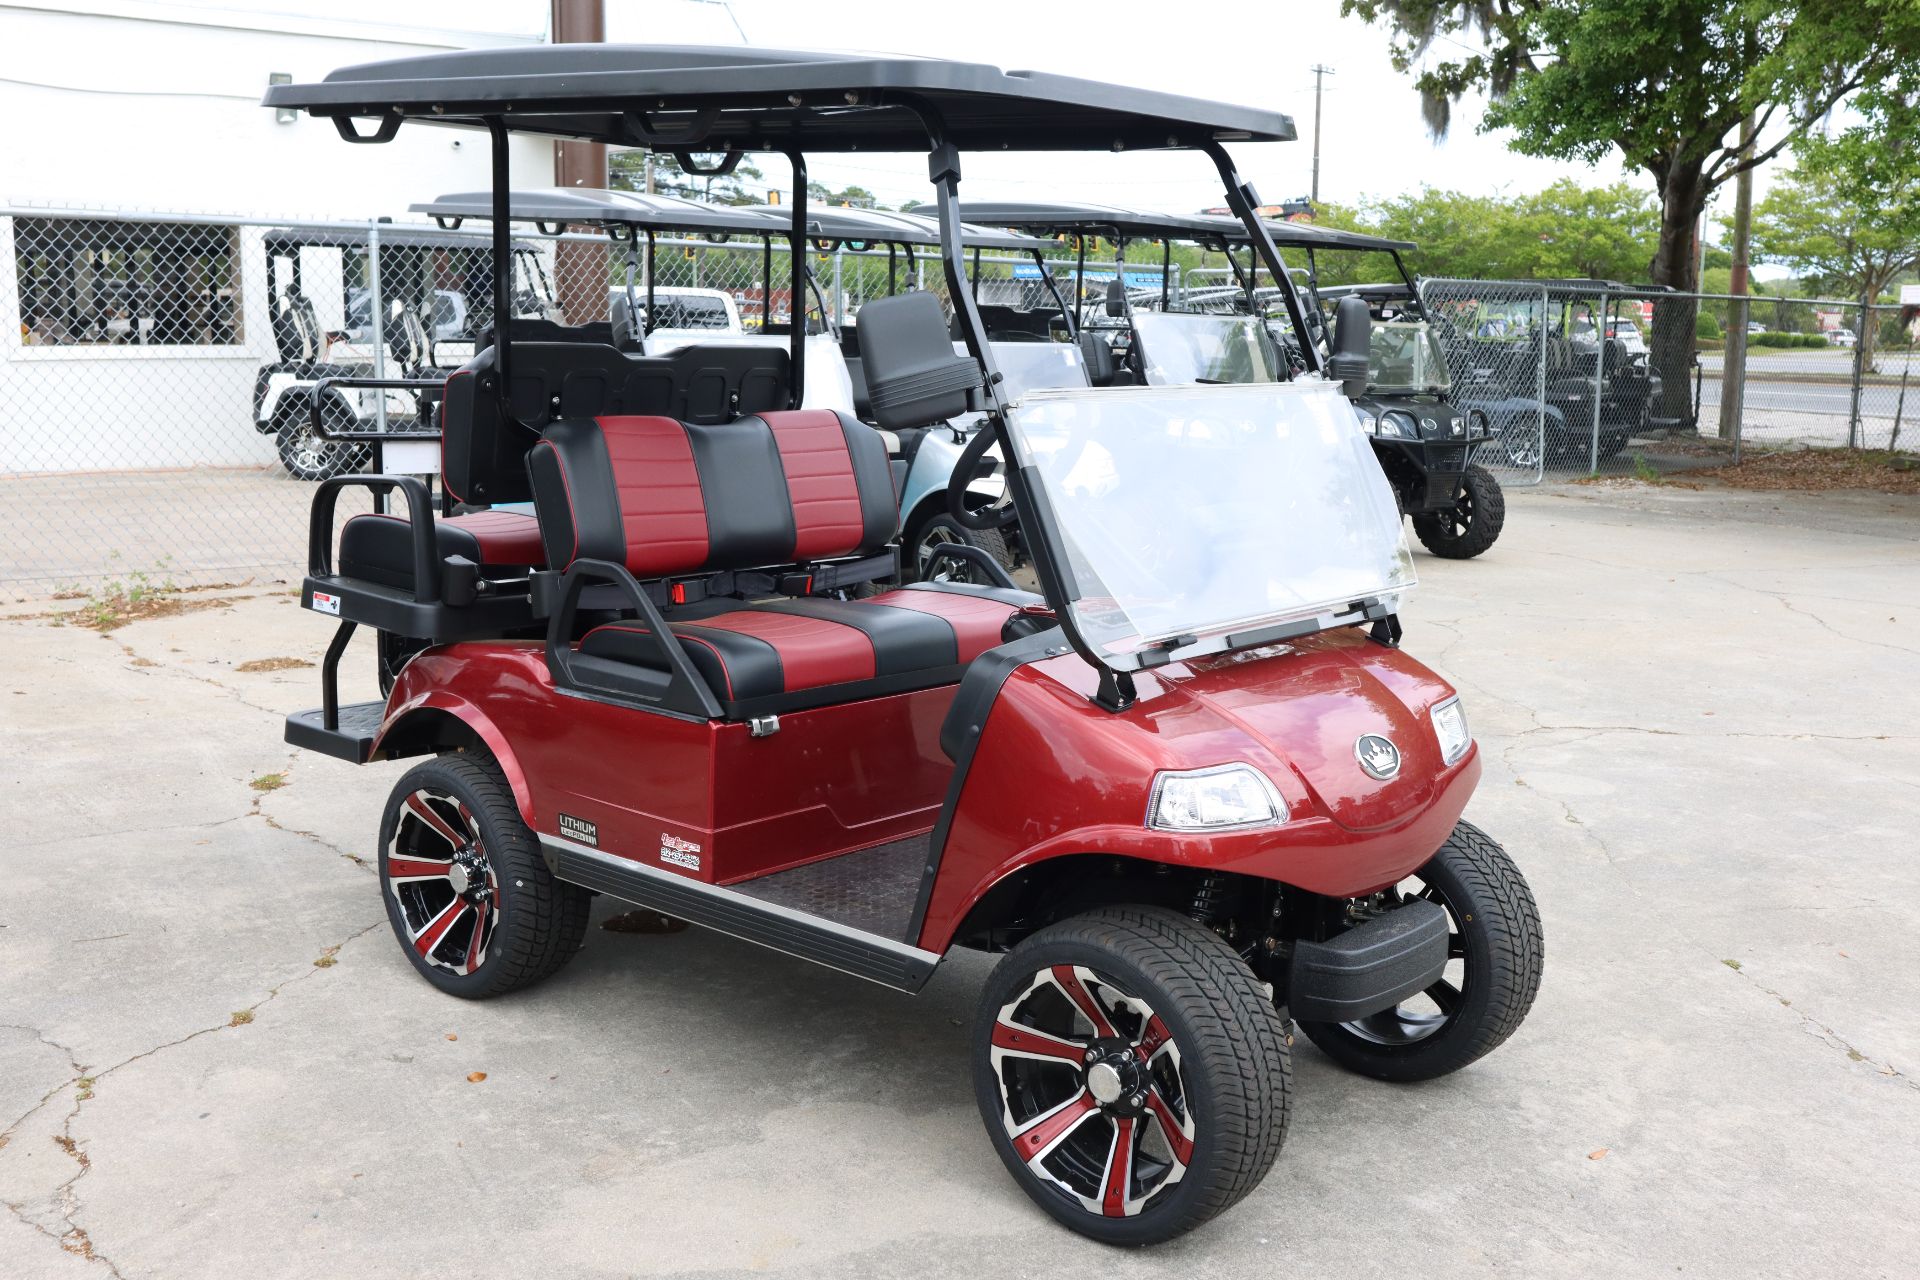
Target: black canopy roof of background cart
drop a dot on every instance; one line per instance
(1209, 230)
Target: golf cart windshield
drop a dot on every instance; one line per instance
(1182, 348)
(1404, 355)
(1286, 520)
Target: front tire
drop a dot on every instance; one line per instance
(1471, 525)
(1133, 1075)
(467, 892)
(1495, 953)
(930, 531)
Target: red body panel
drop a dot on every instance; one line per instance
(1053, 774)
(832, 780)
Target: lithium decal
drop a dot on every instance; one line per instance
(580, 830)
(678, 852)
(324, 603)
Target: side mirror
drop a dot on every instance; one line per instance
(1116, 298)
(1352, 336)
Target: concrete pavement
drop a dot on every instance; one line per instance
(1700, 717)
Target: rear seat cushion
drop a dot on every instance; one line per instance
(767, 650)
(379, 548)
(665, 497)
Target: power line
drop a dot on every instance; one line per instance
(1320, 73)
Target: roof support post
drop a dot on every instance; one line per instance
(1053, 287)
(1244, 202)
(797, 295)
(502, 260)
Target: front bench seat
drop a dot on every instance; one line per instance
(668, 498)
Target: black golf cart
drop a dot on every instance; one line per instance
(1190, 791)
(1166, 336)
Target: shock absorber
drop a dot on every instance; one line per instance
(1210, 901)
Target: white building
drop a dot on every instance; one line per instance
(128, 339)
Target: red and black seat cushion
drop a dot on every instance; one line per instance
(785, 654)
(665, 497)
(379, 548)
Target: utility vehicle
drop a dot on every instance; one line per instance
(1190, 791)
(1163, 337)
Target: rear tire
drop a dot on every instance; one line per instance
(467, 892)
(1469, 527)
(1493, 973)
(1184, 1104)
(305, 455)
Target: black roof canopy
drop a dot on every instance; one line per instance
(707, 99)
(591, 206)
(1213, 230)
(393, 235)
(884, 226)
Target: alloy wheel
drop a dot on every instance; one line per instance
(1427, 1013)
(1092, 1091)
(444, 883)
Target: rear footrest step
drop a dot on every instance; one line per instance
(352, 741)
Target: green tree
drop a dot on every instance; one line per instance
(745, 185)
(1598, 233)
(1847, 215)
(1665, 83)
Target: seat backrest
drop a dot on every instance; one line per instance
(291, 337)
(668, 498)
(913, 377)
(701, 383)
(1101, 366)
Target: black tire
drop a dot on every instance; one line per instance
(1496, 951)
(532, 924)
(1217, 1073)
(1469, 527)
(305, 455)
(940, 527)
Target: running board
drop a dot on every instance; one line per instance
(864, 955)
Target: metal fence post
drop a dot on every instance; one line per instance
(1599, 386)
(1540, 388)
(1859, 369)
(839, 290)
(376, 322)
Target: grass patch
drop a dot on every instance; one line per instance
(268, 782)
(1732, 964)
(240, 1018)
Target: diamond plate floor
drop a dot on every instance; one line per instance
(872, 890)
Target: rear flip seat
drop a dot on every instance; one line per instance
(668, 498)
(379, 548)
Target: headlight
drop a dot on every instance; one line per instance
(1450, 727)
(1222, 798)
(1398, 426)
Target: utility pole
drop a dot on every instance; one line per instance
(1733, 363)
(580, 270)
(1320, 73)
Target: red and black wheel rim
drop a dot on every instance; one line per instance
(1092, 1091)
(442, 882)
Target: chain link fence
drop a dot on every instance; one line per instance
(1588, 377)
(157, 372)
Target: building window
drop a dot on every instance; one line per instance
(103, 282)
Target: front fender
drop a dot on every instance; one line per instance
(1053, 775)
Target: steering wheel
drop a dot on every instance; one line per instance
(996, 515)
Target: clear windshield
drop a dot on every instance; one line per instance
(1211, 510)
(1034, 366)
(1182, 348)
(1404, 355)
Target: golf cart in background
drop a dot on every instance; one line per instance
(432, 283)
(1159, 338)
(1557, 391)
(1189, 792)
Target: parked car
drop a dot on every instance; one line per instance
(1841, 337)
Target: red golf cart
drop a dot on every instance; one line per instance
(1191, 791)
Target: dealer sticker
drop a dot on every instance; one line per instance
(580, 830)
(324, 603)
(679, 853)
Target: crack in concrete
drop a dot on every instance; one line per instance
(63, 1201)
(1808, 1023)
